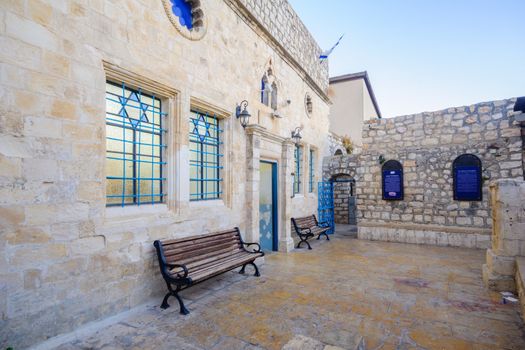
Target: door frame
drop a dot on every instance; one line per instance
(275, 203)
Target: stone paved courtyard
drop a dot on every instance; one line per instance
(347, 293)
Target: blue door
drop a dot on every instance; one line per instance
(325, 205)
(268, 206)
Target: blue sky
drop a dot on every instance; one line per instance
(424, 55)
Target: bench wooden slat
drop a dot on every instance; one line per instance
(201, 252)
(201, 245)
(190, 238)
(215, 270)
(190, 243)
(191, 261)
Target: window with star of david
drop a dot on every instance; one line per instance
(205, 156)
(135, 147)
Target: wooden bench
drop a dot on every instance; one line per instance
(187, 261)
(308, 227)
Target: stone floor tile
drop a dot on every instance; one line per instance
(344, 293)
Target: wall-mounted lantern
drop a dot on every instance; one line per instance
(242, 113)
(296, 135)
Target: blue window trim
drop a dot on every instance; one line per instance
(126, 101)
(202, 146)
(312, 173)
(297, 176)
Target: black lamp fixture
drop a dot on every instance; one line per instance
(242, 113)
(296, 134)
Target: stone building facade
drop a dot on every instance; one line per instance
(426, 144)
(66, 258)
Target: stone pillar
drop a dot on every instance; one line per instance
(253, 158)
(286, 242)
(508, 234)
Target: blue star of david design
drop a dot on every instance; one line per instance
(143, 109)
(201, 128)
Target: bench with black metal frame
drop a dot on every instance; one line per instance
(187, 261)
(307, 227)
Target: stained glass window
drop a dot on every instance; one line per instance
(205, 156)
(312, 171)
(182, 9)
(297, 176)
(135, 147)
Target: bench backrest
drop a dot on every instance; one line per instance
(197, 248)
(305, 222)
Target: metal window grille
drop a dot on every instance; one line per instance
(297, 176)
(205, 157)
(312, 172)
(135, 146)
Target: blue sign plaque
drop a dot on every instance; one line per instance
(467, 178)
(392, 176)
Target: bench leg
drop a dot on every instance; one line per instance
(257, 274)
(327, 238)
(183, 309)
(174, 293)
(242, 269)
(301, 242)
(165, 304)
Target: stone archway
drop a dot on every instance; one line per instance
(341, 171)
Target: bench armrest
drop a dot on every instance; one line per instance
(244, 244)
(183, 267)
(324, 224)
(304, 230)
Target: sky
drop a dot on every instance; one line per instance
(424, 55)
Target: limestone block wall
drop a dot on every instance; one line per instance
(508, 234)
(426, 144)
(65, 258)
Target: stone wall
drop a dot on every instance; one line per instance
(508, 234)
(342, 192)
(66, 258)
(426, 144)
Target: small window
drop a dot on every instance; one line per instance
(338, 152)
(466, 170)
(135, 147)
(205, 157)
(308, 105)
(265, 89)
(312, 171)
(297, 174)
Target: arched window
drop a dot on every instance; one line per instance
(466, 173)
(338, 152)
(392, 179)
(308, 105)
(265, 87)
(274, 96)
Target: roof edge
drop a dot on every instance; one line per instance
(355, 76)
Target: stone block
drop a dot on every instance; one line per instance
(501, 265)
(87, 245)
(496, 282)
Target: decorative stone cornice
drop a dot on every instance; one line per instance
(250, 19)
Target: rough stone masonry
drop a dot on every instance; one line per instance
(426, 144)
